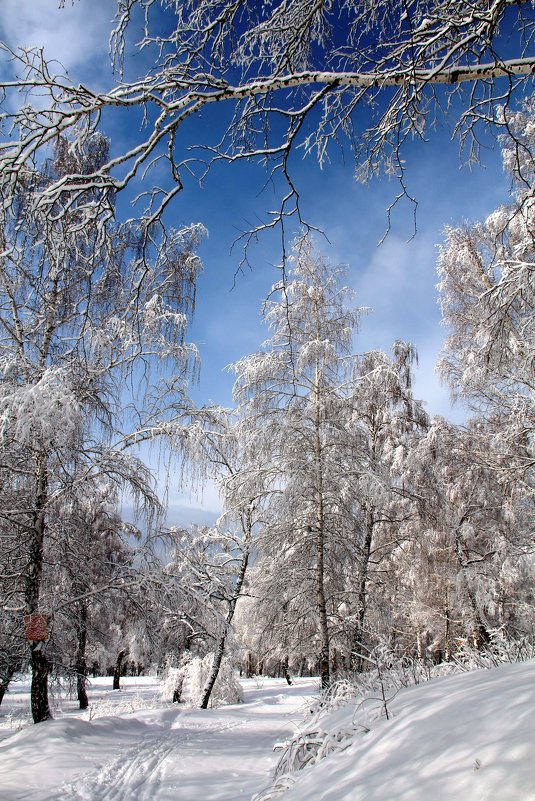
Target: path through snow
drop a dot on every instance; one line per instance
(164, 754)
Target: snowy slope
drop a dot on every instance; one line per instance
(469, 737)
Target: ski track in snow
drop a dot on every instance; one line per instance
(138, 771)
(158, 753)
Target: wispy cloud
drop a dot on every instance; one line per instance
(75, 36)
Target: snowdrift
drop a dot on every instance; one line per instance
(468, 737)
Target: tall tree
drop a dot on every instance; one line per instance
(388, 422)
(470, 537)
(219, 448)
(487, 296)
(89, 565)
(293, 393)
(80, 311)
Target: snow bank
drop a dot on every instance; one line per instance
(466, 737)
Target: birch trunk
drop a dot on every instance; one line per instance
(220, 650)
(357, 663)
(324, 661)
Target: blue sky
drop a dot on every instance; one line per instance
(396, 279)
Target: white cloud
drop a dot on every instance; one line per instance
(206, 497)
(76, 36)
(398, 284)
(429, 388)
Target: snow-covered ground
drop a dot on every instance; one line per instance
(467, 737)
(163, 753)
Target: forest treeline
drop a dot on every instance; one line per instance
(350, 516)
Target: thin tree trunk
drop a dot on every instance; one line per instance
(249, 672)
(117, 669)
(324, 667)
(4, 684)
(357, 663)
(419, 647)
(177, 692)
(80, 664)
(220, 651)
(286, 671)
(447, 617)
(480, 632)
(214, 673)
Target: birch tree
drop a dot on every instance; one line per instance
(293, 392)
(89, 571)
(487, 296)
(80, 311)
(214, 562)
(388, 422)
(472, 536)
(487, 282)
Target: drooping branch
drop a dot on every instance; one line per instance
(349, 70)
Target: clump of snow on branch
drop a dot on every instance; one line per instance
(47, 411)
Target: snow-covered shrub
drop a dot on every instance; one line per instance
(173, 678)
(303, 751)
(499, 650)
(369, 693)
(170, 680)
(111, 705)
(275, 789)
(310, 747)
(227, 689)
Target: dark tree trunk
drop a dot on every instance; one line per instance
(117, 670)
(177, 692)
(286, 671)
(39, 689)
(480, 632)
(333, 662)
(80, 664)
(8, 674)
(249, 672)
(4, 684)
(39, 663)
(447, 646)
